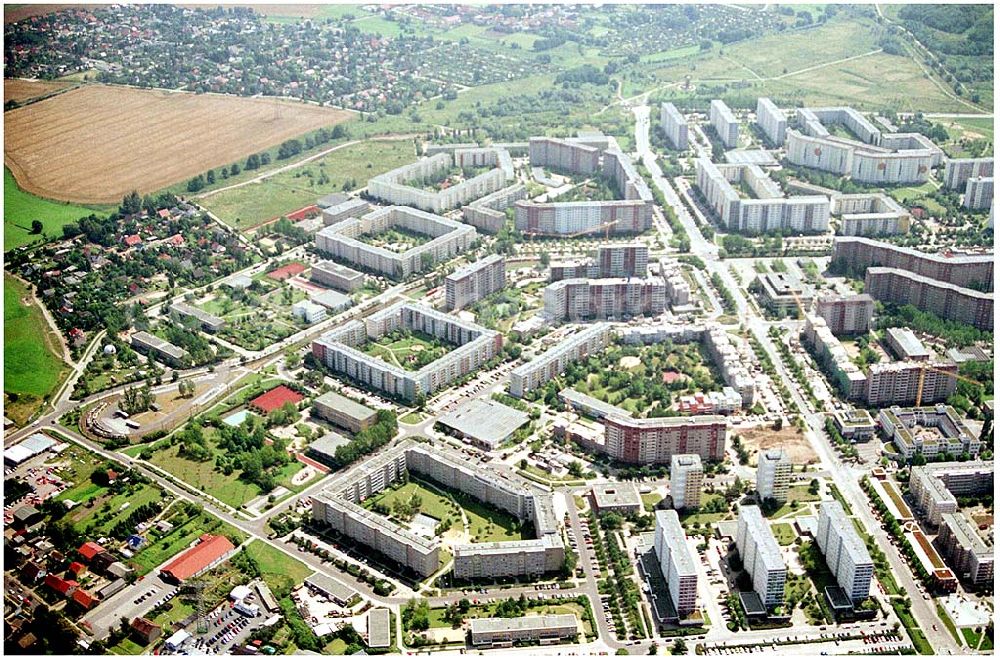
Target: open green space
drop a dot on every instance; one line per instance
(920, 643)
(983, 126)
(280, 571)
(20, 208)
(712, 508)
(405, 500)
(395, 239)
(950, 625)
(407, 349)
(650, 500)
(188, 524)
(248, 206)
(100, 514)
(32, 366)
(784, 533)
(204, 476)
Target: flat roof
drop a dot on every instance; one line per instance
(907, 342)
(342, 404)
(668, 526)
(328, 444)
(620, 494)
(325, 583)
(490, 625)
(331, 299)
(378, 627)
(760, 532)
(485, 420)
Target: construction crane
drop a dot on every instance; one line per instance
(924, 368)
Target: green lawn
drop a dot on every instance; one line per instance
(98, 516)
(983, 126)
(280, 571)
(204, 476)
(126, 647)
(21, 207)
(776, 54)
(784, 533)
(409, 350)
(186, 530)
(32, 367)
(411, 418)
(433, 502)
(650, 500)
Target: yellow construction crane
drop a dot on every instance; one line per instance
(924, 368)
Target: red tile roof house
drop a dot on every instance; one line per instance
(85, 599)
(77, 569)
(275, 398)
(132, 240)
(210, 551)
(89, 550)
(146, 630)
(61, 586)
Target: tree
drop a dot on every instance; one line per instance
(36, 226)
(679, 647)
(544, 258)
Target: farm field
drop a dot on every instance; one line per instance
(20, 208)
(32, 366)
(251, 205)
(15, 89)
(79, 146)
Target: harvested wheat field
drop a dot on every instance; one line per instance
(96, 143)
(15, 89)
(789, 438)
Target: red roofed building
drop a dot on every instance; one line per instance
(274, 399)
(132, 240)
(77, 568)
(163, 213)
(176, 240)
(61, 586)
(289, 270)
(210, 551)
(303, 213)
(89, 550)
(84, 599)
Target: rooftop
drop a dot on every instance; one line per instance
(490, 625)
(342, 404)
(760, 532)
(616, 495)
(485, 420)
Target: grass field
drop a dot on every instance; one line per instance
(204, 477)
(32, 366)
(411, 351)
(100, 514)
(20, 208)
(280, 571)
(80, 146)
(186, 530)
(776, 54)
(432, 502)
(983, 127)
(784, 534)
(256, 203)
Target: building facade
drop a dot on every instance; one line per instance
(686, 477)
(551, 363)
(760, 555)
(846, 554)
(774, 475)
(604, 299)
(978, 193)
(340, 277)
(772, 121)
(656, 439)
(676, 562)
(959, 170)
(725, 123)
(948, 301)
(857, 254)
(474, 282)
(846, 315)
(674, 126)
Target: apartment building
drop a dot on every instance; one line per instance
(864, 163)
(613, 260)
(208, 322)
(949, 301)
(930, 431)
(352, 207)
(774, 475)
(978, 193)
(395, 186)
(488, 213)
(345, 413)
(580, 218)
(619, 168)
(846, 315)
(308, 312)
(845, 553)
(959, 170)
(340, 277)
(503, 632)
(470, 157)
(966, 551)
(160, 349)
(563, 155)
(344, 241)
(604, 299)
(340, 351)
(783, 293)
(677, 287)
(760, 555)
(869, 214)
(533, 557)
(834, 359)
(551, 363)
(474, 282)
(856, 254)
(652, 440)
(772, 121)
(934, 487)
(674, 126)
(676, 562)
(897, 383)
(725, 123)
(686, 478)
(763, 207)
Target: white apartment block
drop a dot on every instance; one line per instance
(619, 167)
(959, 170)
(308, 312)
(551, 363)
(965, 549)
(674, 126)
(604, 299)
(678, 288)
(768, 210)
(686, 477)
(978, 193)
(774, 475)
(578, 218)
(868, 214)
(846, 554)
(724, 123)
(395, 186)
(563, 155)
(772, 121)
(760, 555)
(342, 240)
(474, 282)
(503, 632)
(676, 562)
(487, 213)
(933, 487)
(846, 315)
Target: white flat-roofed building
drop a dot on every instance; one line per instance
(725, 123)
(674, 126)
(531, 557)
(485, 423)
(686, 477)
(845, 552)
(622, 498)
(335, 301)
(774, 474)
(676, 562)
(855, 425)
(905, 345)
(761, 555)
(965, 549)
(335, 590)
(208, 322)
(933, 487)
(929, 430)
(344, 412)
(978, 193)
(308, 311)
(604, 299)
(474, 281)
(352, 207)
(630, 216)
(505, 632)
(161, 349)
(394, 186)
(378, 636)
(340, 277)
(870, 214)
(487, 213)
(772, 121)
(959, 170)
(551, 363)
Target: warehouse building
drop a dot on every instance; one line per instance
(484, 423)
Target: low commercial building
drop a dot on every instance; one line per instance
(957, 171)
(686, 477)
(845, 553)
(210, 551)
(345, 413)
(761, 555)
(333, 589)
(726, 126)
(586, 404)
(905, 345)
(846, 315)
(208, 322)
(969, 555)
(378, 634)
(934, 487)
(325, 448)
(474, 282)
(308, 312)
(783, 293)
(656, 439)
(674, 126)
(774, 475)
(622, 498)
(551, 363)
(160, 349)
(505, 632)
(856, 254)
(772, 121)
(340, 277)
(929, 431)
(333, 301)
(950, 302)
(485, 423)
(854, 425)
(676, 562)
(604, 299)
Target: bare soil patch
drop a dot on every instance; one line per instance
(791, 439)
(15, 89)
(96, 143)
(13, 14)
